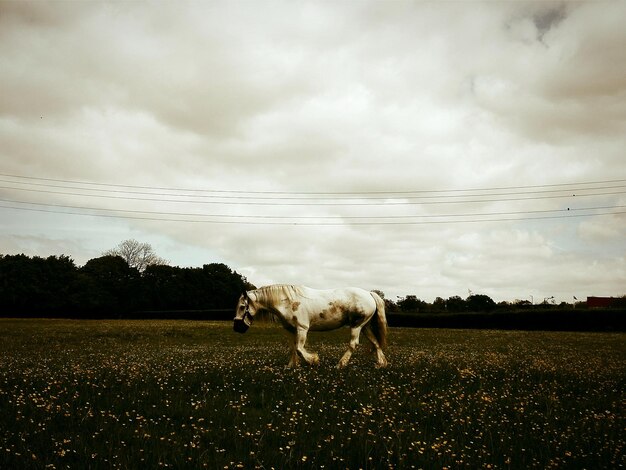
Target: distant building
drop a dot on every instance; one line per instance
(600, 302)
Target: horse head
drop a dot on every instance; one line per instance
(243, 316)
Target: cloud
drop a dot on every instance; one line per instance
(602, 230)
(327, 98)
(565, 80)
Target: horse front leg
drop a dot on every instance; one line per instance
(354, 342)
(310, 358)
(294, 360)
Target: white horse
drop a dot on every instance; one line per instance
(301, 309)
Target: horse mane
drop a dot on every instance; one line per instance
(274, 294)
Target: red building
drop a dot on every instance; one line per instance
(600, 302)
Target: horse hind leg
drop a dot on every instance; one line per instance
(355, 332)
(381, 360)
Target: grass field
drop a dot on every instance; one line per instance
(176, 394)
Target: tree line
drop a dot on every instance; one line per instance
(479, 303)
(484, 303)
(131, 278)
(454, 304)
(108, 285)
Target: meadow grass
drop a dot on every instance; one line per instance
(180, 394)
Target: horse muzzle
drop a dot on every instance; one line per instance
(240, 325)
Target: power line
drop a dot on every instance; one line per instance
(563, 214)
(356, 194)
(273, 202)
(272, 198)
(314, 217)
(232, 198)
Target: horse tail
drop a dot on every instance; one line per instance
(379, 323)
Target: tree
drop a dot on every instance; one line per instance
(480, 303)
(109, 285)
(222, 284)
(137, 255)
(411, 304)
(456, 304)
(439, 305)
(214, 286)
(37, 286)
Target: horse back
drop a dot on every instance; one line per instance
(334, 308)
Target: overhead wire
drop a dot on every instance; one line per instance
(257, 216)
(299, 197)
(321, 223)
(356, 194)
(375, 198)
(337, 202)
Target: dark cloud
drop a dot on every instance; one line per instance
(549, 18)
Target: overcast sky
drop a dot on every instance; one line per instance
(426, 148)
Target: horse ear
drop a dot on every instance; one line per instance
(244, 294)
